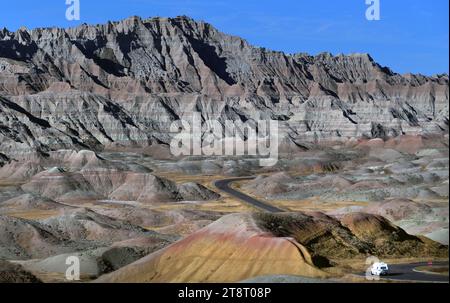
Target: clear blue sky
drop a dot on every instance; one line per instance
(412, 35)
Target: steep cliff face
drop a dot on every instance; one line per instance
(125, 82)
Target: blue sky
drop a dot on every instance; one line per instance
(412, 35)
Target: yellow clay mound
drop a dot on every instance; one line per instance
(229, 250)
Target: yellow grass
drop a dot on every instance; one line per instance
(34, 214)
(310, 204)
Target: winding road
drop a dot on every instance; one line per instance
(405, 272)
(397, 272)
(224, 185)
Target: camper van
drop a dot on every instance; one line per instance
(379, 269)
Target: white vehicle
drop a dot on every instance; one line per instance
(379, 269)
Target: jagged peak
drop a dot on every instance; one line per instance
(227, 57)
(441, 76)
(201, 28)
(328, 55)
(22, 29)
(4, 32)
(361, 55)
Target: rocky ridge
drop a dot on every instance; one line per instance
(123, 83)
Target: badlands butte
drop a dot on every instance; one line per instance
(86, 169)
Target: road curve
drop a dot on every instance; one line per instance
(405, 272)
(397, 272)
(224, 185)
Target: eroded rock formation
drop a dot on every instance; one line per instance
(123, 83)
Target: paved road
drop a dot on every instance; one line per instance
(398, 272)
(224, 185)
(405, 272)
